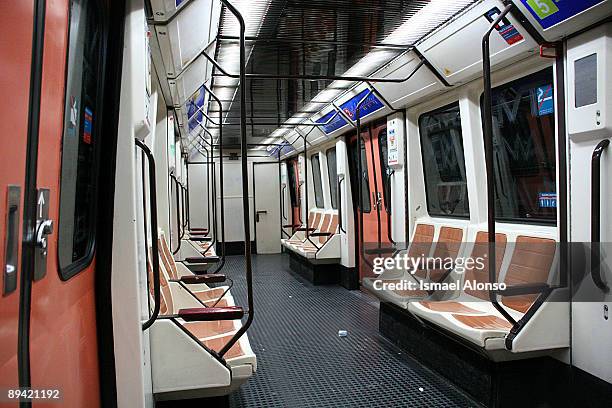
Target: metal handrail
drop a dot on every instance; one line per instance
(360, 177)
(596, 214)
(245, 185)
(180, 233)
(339, 197)
(154, 242)
(303, 77)
(490, 169)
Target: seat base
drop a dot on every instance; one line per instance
(324, 274)
(532, 381)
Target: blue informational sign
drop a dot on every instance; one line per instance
(282, 149)
(547, 200)
(545, 100)
(336, 123)
(87, 125)
(508, 31)
(370, 105)
(552, 12)
(194, 104)
(178, 2)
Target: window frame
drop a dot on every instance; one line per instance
(427, 201)
(317, 194)
(332, 180)
(76, 266)
(528, 221)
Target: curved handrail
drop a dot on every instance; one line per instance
(154, 242)
(490, 170)
(339, 196)
(180, 233)
(596, 215)
(245, 184)
(360, 178)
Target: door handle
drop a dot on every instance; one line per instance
(595, 216)
(45, 228)
(257, 213)
(12, 238)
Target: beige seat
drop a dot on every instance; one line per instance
(471, 315)
(420, 246)
(213, 335)
(313, 224)
(218, 296)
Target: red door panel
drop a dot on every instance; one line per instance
(63, 347)
(373, 219)
(16, 27)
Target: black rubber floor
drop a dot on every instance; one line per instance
(302, 361)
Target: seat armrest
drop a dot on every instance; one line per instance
(207, 314)
(383, 250)
(292, 225)
(523, 289)
(199, 238)
(306, 229)
(208, 278)
(201, 259)
(321, 234)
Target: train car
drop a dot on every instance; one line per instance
(265, 203)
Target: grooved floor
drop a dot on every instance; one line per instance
(302, 362)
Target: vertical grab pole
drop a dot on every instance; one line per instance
(221, 193)
(596, 215)
(154, 242)
(245, 182)
(488, 142)
(178, 214)
(360, 179)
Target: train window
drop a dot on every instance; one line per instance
(292, 184)
(524, 140)
(365, 184)
(80, 139)
(316, 177)
(386, 170)
(332, 172)
(444, 162)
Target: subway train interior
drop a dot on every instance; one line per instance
(288, 203)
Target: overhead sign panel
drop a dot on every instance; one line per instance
(370, 105)
(194, 113)
(334, 124)
(552, 12)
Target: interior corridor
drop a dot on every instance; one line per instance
(303, 362)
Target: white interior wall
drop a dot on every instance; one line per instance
(128, 283)
(199, 196)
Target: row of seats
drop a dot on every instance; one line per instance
(526, 264)
(319, 240)
(185, 339)
(197, 250)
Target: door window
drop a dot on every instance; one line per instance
(363, 177)
(80, 140)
